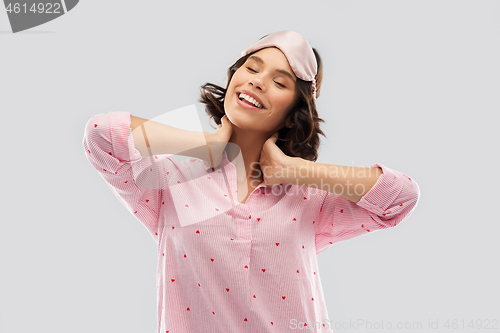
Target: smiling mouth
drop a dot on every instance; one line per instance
(243, 100)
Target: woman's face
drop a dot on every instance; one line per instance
(267, 77)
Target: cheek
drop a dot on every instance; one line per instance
(235, 81)
(231, 88)
(285, 101)
(238, 75)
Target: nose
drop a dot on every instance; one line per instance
(257, 83)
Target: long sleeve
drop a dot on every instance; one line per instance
(109, 147)
(391, 200)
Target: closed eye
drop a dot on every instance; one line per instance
(253, 70)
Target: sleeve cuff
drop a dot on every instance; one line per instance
(384, 192)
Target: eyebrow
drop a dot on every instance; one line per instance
(259, 60)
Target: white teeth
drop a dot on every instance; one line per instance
(251, 100)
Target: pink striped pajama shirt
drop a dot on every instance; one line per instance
(224, 266)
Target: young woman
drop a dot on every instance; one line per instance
(238, 227)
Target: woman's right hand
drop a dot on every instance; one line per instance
(217, 141)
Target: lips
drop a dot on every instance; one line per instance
(251, 94)
(245, 104)
(245, 101)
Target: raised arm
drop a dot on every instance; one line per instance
(387, 203)
(153, 138)
(115, 145)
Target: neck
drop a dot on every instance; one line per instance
(250, 145)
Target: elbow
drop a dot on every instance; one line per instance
(414, 198)
(405, 208)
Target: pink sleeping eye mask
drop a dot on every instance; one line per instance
(297, 51)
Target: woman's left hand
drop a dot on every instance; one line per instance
(274, 163)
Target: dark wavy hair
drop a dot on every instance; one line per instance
(302, 140)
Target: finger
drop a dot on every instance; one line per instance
(274, 137)
(224, 121)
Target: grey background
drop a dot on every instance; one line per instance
(412, 85)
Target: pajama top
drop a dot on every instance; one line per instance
(224, 266)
